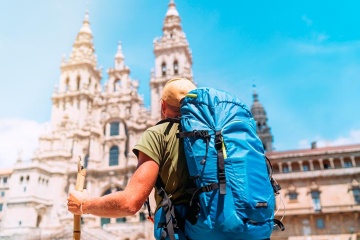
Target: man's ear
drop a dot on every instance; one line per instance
(163, 107)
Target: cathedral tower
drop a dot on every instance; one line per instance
(79, 81)
(173, 57)
(100, 125)
(262, 129)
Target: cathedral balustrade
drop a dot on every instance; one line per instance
(318, 164)
(317, 173)
(59, 153)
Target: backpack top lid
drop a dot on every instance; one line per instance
(214, 107)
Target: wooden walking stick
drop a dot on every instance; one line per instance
(80, 180)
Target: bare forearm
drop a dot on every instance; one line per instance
(122, 203)
(114, 205)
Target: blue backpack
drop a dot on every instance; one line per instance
(233, 192)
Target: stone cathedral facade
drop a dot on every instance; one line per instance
(101, 124)
(98, 123)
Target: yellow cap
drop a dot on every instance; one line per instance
(175, 90)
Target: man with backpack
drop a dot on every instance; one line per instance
(208, 166)
(161, 162)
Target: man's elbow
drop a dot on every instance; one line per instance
(133, 208)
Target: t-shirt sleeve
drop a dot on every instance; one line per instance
(150, 143)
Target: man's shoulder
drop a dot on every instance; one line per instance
(161, 127)
(158, 127)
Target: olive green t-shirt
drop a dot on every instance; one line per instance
(161, 144)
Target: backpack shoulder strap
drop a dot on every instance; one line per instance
(170, 219)
(166, 203)
(171, 122)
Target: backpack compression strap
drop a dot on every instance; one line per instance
(168, 208)
(197, 134)
(170, 218)
(276, 187)
(221, 165)
(220, 156)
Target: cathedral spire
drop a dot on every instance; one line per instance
(83, 48)
(79, 82)
(173, 57)
(262, 129)
(255, 95)
(172, 18)
(119, 58)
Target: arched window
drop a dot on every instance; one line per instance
(114, 156)
(356, 193)
(315, 195)
(114, 128)
(163, 69)
(86, 161)
(176, 67)
(104, 221)
(320, 223)
(78, 80)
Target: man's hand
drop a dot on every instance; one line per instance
(75, 200)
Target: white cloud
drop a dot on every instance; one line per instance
(353, 138)
(319, 47)
(320, 37)
(307, 20)
(18, 137)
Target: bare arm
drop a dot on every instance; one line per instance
(127, 202)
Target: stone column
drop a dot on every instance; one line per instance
(301, 166)
(321, 164)
(342, 162)
(280, 167)
(332, 163)
(311, 165)
(353, 161)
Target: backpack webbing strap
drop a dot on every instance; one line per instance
(194, 133)
(221, 164)
(197, 191)
(276, 187)
(147, 204)
(171, 122)
(197, 134)
(279, 224)
(168, 208)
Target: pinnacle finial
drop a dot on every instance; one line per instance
(119, 53)
(255, 95)
(172, 9)
(86, 18)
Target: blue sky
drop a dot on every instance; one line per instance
(304, 58)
